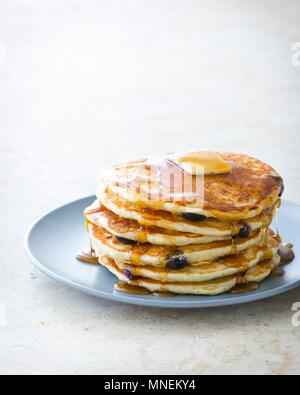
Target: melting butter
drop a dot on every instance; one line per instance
(201, 162)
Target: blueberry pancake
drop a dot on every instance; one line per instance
(223, 267)
(162, 256)
(213, 287)
(186, 223)
(244, 189)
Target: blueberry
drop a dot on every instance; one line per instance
(124, 240)
(245, 231)
(128, 274)
(193, 217)
(281, 191)
(176, 262)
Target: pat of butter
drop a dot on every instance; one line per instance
(201, 162)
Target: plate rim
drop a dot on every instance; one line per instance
(145, 300)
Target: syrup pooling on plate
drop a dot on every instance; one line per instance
(124, 287)
(286, 253)
(163, 294)
(277, 272)
(244, 288)
(87, 256)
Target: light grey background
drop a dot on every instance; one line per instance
(86, 83)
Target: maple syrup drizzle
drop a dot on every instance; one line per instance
(135, 255)
(124, 287)
(265, 236)
(234, 247)
(87, 256)
(163, 276)
(235, 228)
(94, 210)
(276, 221)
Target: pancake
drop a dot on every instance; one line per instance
(212, 287)
(161, 256)
(177, 223)
(223, 267)
(129, 229)
(245, 192)
(262, 270)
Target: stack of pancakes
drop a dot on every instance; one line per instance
(165, 237)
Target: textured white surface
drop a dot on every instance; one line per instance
(85, 83)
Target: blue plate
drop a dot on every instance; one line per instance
(54, 240)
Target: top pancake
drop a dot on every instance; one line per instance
(251, 187)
